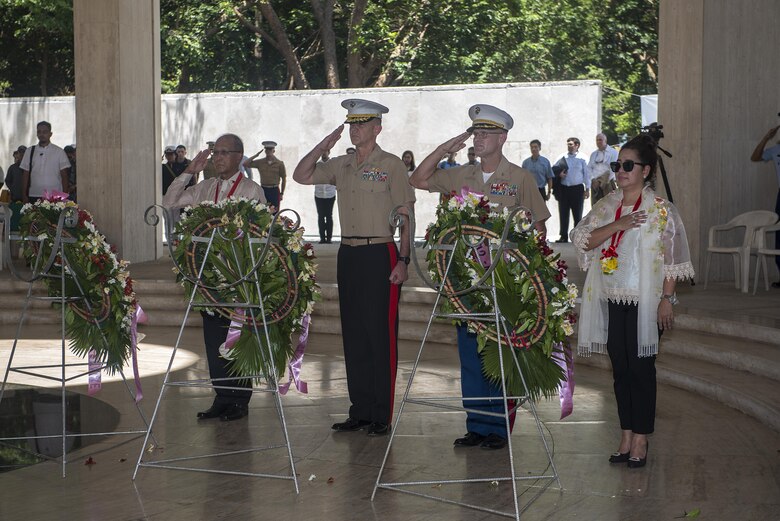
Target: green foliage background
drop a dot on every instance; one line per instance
(206, 47)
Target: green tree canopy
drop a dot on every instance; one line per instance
(244, 45)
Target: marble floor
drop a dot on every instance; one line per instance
(703, 455)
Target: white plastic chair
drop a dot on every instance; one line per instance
(763, 251)
(751, 222)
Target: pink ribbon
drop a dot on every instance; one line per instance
(234, 332)
(139, 317)
(566, 386)
(94, 367)
(296, 363)
(464, 192)
(54, 195)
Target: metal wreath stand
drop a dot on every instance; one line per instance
(42, 270)
(486, 282)
(252, 309)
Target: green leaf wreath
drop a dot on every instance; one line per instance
(286, 278)
(102, 319)
(532, 291)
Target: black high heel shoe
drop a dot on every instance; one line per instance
(635, 463)
(619, 457)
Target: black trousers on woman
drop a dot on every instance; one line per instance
(634, 377)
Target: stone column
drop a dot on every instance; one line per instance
(117, 60)
(718, 94)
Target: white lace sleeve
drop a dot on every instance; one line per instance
(677, 256)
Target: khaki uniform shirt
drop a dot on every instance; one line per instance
(368, 192)
(210, 170)
(509, 186)
(270, 173)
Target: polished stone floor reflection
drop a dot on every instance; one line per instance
(36, 413)
(703, 455)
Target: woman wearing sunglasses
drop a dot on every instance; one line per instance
(634, 248)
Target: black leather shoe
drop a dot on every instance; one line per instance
(350, 425)
(635, 463)
(471, 439)
(619, 457)
(234, 412)
(493, 442)
(215, 411)
(378, 429)
(562, 240)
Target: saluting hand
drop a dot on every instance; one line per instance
(198, 163)
(330, 140)
(455, 144)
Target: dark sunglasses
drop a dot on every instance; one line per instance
(628, 165)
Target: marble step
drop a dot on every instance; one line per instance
(685, 319)
(755, 357)
(749, 393)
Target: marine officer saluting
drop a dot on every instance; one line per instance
(370, 183)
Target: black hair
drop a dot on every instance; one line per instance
(646, 148)
(45, 124)
(537, 142)
(574, 140)
(412, 165)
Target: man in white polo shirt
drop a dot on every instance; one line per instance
(44, 167)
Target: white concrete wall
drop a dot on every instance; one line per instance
(420, 118)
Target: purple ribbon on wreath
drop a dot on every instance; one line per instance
(296, 362)
(566, 387)
(95, 366)
(139, 317)
(295, 365)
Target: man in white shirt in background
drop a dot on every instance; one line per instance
(45, 167)
(324, 199)
(602, 179)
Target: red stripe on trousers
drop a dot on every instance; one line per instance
(392, 317)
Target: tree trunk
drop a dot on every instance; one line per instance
(354, 51)
(285, 47)
(324, 15)
(44, 69)
(257, 52)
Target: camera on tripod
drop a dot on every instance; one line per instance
(654, 130)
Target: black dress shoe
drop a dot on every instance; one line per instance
(234, 412)
(776, 285)
(619, 457)
(215, 411)
(493, 442)
(635, 463)
(562, 240)
(471, 439)
(378, 429)
(350, 425)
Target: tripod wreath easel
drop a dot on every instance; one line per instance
(478, 259)
(97, 318)
(238, 260)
